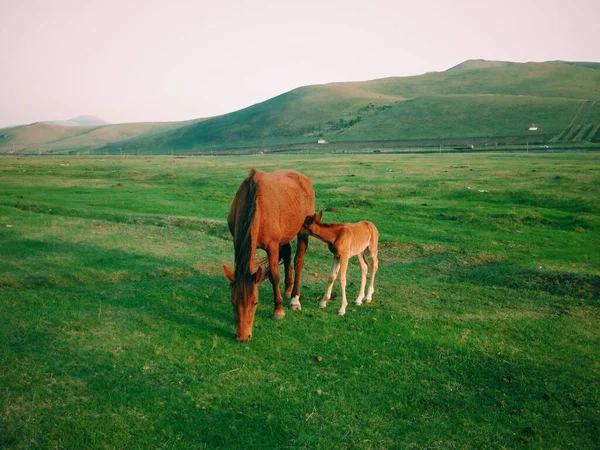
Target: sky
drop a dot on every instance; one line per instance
(149, 61)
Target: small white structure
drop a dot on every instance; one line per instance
(533, 127)
(321, 141)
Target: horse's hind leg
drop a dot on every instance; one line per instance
(363, 278)
(374, 267)
(285, 253)
(298, 266)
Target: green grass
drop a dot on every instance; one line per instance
(483, 333)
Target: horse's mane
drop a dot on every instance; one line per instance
(242, 239)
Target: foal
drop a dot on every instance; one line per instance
(346, 240)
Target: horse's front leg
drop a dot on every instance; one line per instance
(298, 266)
(273, 254)
(332, 276)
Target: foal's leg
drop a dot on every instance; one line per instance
(273, 254)
(335, 268)
(363, 278)
(374, 266)
(285, 253)
(344, 267)
(298, 266)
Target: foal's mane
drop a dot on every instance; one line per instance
(242, 239)
(330, 224)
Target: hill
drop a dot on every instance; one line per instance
(48, 138)
(479, 101)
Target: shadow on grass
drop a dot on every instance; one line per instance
(509, 275)
(577, 204)
(211, 227)
(124, 364)
(406, 390)
(47, 264)
(84, 397)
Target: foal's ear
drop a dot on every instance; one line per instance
(228, 273)
(258, 275)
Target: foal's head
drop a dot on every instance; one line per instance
(311, 223)
(244, 298)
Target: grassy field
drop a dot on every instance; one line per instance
(117, 329)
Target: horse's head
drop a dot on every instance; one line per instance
(311, 222)
(244, 298)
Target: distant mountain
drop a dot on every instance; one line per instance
(79, 121)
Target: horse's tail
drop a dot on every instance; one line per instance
(264, 263)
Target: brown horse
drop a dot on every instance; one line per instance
(267, 212)
(346, 240)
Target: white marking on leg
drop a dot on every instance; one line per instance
(295, 304)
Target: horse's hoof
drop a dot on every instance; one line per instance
(322, 305)
(341, 313)
(288, 294)
(295, 304)
(278, 315)
(358, 302)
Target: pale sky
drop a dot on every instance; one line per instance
(148, 60)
